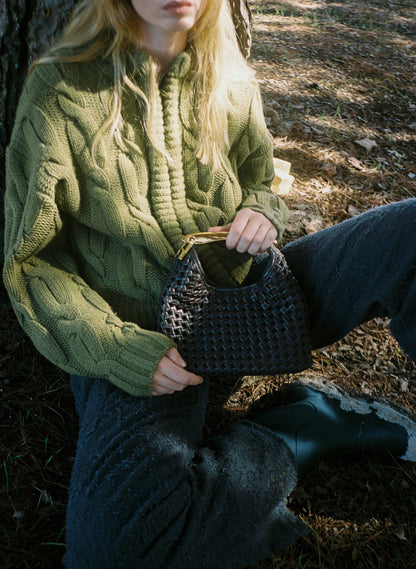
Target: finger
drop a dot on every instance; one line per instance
(159, 390)
(256, 242)
(252, 233)
(165, 384)
(263, 239)
(175, 373)
(220, 227)
(237, 229)
(175, 357)
(270, 238)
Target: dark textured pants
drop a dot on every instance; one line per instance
(148, 490)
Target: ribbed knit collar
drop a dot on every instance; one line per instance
(178, 68)
(140, 61)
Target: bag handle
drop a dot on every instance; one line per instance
(202, 238)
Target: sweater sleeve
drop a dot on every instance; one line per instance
(68, 322)
(256, 170)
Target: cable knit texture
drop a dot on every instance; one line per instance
(88, 245)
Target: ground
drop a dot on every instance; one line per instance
(339, 87)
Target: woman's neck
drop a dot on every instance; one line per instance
(164, 47)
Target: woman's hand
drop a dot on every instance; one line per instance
(171, 375)
(250, 232)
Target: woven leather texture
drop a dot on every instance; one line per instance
(260, 328)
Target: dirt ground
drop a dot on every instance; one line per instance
(339, 87)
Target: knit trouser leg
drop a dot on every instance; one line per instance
(362, 268)
(148, 491)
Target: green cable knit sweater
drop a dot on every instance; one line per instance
(88, 245)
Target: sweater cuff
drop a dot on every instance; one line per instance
(138, 353)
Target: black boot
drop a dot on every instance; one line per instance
(319, 420)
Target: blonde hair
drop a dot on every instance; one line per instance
(111, 28)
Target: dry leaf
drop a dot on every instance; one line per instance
(356, 163)
(404, 384)
(400, 534)
(352, 210)
(19, 514)
(329, 169)
(313, 225)
(366, 143)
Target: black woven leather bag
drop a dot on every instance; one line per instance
(255, 329)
